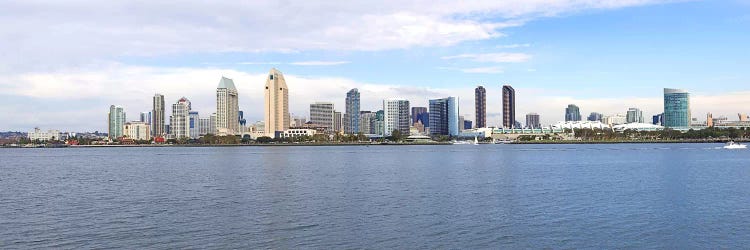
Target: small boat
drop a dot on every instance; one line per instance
(461, 143)
(734, 145)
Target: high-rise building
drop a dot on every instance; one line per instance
(676, 108)
(116, 122)
(657, 119)
(205, 125)
(415, 112)
(396, 116)
(137, 131)
(365, 121)
(467, 124)
(460, 123)
(179, 121)
(337, 122)
(227, 107)
(158, 115)
(532, 120)
(572, 113)
(378, 124)
(709, 120)
(276, 103)
(480, 106)
(145, 117)
(509, 106)
(352, 112)
(634, 115)
(194, 125)
(321, 114)
(444, 118)
(594, 116)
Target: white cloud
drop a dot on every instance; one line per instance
(259, 63)
(482, 70)
(493, 57)
(319, 63)
(43, 35)
(513, 46)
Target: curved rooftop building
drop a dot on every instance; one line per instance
(676, 108)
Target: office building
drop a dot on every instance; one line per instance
(145, 117)
(227, 107)
(396, 116)
(480, 106)
(415, 112)
(657, 119)
(634, 115)
(676, 108)
(206, 125)
(277, 116)
(594, 116)
(467, 124)
(158, 115)
(337, 122)
(444, 118)
(179, 121)
(365, 122)
(194, 124)
(572, 113)
(140, 131)
(321, 114)
(116, 122)
(378, 124)
(532, 120)
(351, 117)
(509, 106)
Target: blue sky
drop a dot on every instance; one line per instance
(65, 70)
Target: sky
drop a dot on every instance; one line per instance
(63, 63)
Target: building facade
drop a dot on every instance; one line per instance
(572, 113)
(616, 119)
(116, 122)
(179, 121)
(39, 135)
(444, 118)
(338, 122)
(138, 131)
(158, 116)
(396, 116)
(595, 116)
(480, 106)
(321, 114)
(277, 117)
(194, 125)
(532, 120)
(509, 106)
(227, 107)
(634, 115)
(351, 117)
(365, 122)
(676, 108)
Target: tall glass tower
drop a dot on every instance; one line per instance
(509, 106)
(676, 108)
(572, 113)
(352, 112)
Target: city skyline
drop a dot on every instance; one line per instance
(552, 55)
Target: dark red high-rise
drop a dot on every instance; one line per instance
(509, 106)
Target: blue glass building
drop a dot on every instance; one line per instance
(676, 108)
(444, 117)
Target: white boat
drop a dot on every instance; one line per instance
(461, 143)
(734, 145)
(476, 142)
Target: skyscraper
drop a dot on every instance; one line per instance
(415, 112)
(352, 112)
(444, 118)
(594, 116)
(396, 116)
(157, 126)
(532, 120)
(337, 122)
(365, 122)
(116, 122)
(145, 117)
(676, 108)
(378, 124)
(572, 113)
(194, 124)
(321, 114)
(634, 115)
(276, 103)
(657, 119)
(509, 106)
(480, 106)
(179, 121)
(227, 107)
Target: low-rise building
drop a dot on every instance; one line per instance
(140, 131)
(49, 135)
(297, 132)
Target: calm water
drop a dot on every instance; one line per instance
(487, 196)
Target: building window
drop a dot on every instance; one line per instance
(271, 77)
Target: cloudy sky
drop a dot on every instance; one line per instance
(62, 63)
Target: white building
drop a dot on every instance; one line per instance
(580, 125)
(207, 125)
(179, 126)
(637, 127)
(614, 119)
(396, 116)
(634, 115)
(276, 113)
(49, 135)
(297, 132)
(137, 131)
(227, 108)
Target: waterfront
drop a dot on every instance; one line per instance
(485, 196)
